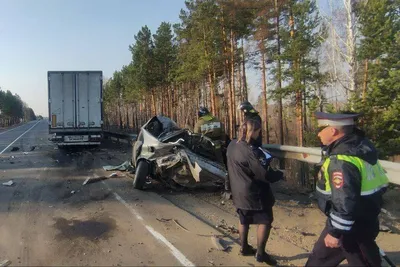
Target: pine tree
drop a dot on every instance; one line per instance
(380, 48)
(300, 37)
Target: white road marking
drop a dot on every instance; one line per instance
(177, 254)
(133, 211)
(18, 138)
(174, 251)
(11, 129)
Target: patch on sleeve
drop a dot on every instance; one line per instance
(337, 179)
(263, 161)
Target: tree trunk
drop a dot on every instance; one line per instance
(279, 74)
(119, 114)
(153, 102)
(305, 124)
(173, 103)
(364, 93)
(212, 92)
(216, 102)
(299, 103)
(351, 46)
(227, 91)
(244, 81)
(319, 89)
(127, 117)
(232, 87)
(240, 82)
(264, 98)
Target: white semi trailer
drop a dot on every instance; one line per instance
(75, 107)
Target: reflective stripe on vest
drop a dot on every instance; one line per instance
(326, 178)
(373, 177)
(207, 117)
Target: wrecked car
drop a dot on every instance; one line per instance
(167, 153)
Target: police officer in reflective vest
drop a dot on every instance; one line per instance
(349, 189)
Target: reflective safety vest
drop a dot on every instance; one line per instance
(373, 177)
(210, 126)
(210, 123)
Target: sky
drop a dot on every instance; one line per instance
(37, 36)
(41, 35)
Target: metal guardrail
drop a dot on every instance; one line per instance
(313, 155)
(120, 135)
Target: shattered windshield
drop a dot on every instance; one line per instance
(160, 126)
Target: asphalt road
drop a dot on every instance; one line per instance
(47, 217)
(22, 136)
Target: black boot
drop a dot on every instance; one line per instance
(266, 258)
(248, 251)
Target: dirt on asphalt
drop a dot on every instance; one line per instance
(297, 219)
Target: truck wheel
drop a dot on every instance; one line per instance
(142, 170)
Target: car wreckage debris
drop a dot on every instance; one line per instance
(9, 183)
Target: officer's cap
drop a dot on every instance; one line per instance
(335, 119)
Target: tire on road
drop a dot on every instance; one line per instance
(142, 171)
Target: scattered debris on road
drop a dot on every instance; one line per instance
(180, 226)
(231, 229)
(307, 234)
(123, 167)
(32, 148)
(91, 180)
(5, 263)
(86, 181)
(15, 148)
(72, 192)
(114, 174)
(25, 153)
(9, 183)
(163, 220)
(219, 244)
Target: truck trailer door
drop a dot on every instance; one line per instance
(88, 92)
(62, 100)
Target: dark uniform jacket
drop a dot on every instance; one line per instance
(250, 176)
(253, 115)
(348, 211)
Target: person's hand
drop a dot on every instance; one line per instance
(283, 175)
(331, 242)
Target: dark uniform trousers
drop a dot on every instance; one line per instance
(358, 249)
